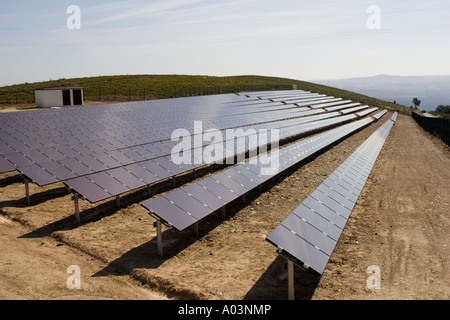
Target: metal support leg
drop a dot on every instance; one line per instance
(223, 211)
(118, 201)
(159, 237)
(196, 230)
(27, 191)
(77, 209)
(173, 182)
(291, 294)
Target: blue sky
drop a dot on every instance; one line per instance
(304, 40)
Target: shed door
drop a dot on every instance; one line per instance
(77, 100)
(66, 98)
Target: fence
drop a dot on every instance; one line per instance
(436, 126)
(99, 93)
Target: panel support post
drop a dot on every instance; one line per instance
(149, 190)
(159, 237)
(291, 293)
(118, 201)
(27, 191)
(77, 209)
(197, 233)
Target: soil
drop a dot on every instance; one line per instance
(400, 224)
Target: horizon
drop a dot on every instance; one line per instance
(317, 81)
(287, 39)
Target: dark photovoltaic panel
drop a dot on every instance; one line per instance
(228, 185)
(380, 114)
(310, 233)
(82, 144)
(162, 168)
(104, 151)
(342, 106)
(366, 112)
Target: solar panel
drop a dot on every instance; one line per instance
(319, 220)
(380, 114)
(93, 192)
(219, 189)
(178, 218)
(213, 201)
(188, 203)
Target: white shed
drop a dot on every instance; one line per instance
(58, 97)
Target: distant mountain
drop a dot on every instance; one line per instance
(431, 90)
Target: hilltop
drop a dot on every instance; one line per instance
(144, 87)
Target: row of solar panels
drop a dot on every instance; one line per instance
(18, 149)
(189, 204)
(29, 160)
(148, 172)
(55, 164)
(310, 233)
(70, 164)
(116, 117)
(126, 162)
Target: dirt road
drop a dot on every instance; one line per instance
(400, 224)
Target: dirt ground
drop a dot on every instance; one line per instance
(400, 224)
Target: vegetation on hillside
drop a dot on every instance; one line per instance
(144, 87)
(442, 111)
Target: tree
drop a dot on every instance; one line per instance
(416, 102)
(443, 109)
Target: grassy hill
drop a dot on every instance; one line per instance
(144, 87)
